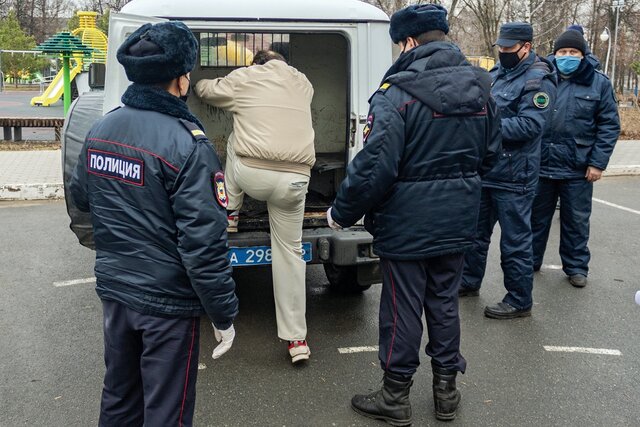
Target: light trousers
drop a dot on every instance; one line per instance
(285, 195)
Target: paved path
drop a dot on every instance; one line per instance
(30, 175)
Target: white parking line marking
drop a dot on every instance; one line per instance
(551, 267)
(350, 350)
(74, 282)
(613, 205)
(588, 350)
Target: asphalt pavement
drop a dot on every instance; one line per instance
(51, 338)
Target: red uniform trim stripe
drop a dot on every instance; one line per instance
(186, 380)
(137, 149)
(395, 315)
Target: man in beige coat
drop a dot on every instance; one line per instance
(269, 157)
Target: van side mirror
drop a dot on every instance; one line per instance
(96, 75)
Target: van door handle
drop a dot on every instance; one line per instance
(352, 132)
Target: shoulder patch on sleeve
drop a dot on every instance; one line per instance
(194, 130)
(541, 100)
(220, 188)
(367, 128)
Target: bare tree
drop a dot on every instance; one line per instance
(489, 14)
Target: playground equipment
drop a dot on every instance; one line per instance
(90, 36)
(66, 45)
(486, 62)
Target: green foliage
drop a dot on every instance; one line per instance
(12, 37)
(74, 22)
(103, 21)
(635, 66)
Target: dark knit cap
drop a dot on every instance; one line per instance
(571, 38)
(576, 27)
(158, 53)
(417, 19)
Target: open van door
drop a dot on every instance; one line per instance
(121, 25)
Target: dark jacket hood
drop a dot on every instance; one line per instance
(426, 73)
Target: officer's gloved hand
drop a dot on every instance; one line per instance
(226, 336)
(334, 225)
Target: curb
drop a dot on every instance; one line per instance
(32, 191)
(56, 191)
(622, 170)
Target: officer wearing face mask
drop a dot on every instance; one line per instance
(155, 189)
(576, 148)
(524, 87)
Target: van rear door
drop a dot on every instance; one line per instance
(121, 25)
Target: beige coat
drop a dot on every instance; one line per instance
(271, 106)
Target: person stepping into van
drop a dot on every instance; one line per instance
(433, 132)
(269, 157)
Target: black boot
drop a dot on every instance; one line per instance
(445, 394)
(390, 404)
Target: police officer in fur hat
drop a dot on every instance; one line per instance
(155, 189)
(432, 132)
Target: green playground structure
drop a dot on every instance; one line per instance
(85, 45)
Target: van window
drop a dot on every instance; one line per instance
(221, 50)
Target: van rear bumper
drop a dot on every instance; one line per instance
(343, 248)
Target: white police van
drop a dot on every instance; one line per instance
(342, 46)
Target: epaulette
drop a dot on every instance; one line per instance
(540, 65)
(384, 87)
(194, 130)
(602, 73)
(536, 83)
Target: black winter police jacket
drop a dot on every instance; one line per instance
(433, 130)
(155, 189)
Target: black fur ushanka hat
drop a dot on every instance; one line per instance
(158, 53)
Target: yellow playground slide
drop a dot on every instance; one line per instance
(55, 90)
(90, 36)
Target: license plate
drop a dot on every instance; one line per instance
(260, 255)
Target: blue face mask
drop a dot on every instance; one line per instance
(567, 64)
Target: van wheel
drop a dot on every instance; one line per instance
(344, 278)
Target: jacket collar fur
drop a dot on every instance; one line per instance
(149, 97)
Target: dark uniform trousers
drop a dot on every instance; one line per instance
(408, 288)
(152, 365)
(513, 211)
(575, 211)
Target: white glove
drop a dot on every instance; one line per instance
(334, 225)
(227, 336)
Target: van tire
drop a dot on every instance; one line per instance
(344, 279)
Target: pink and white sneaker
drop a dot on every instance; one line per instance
(299, 351)
(233, 219)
